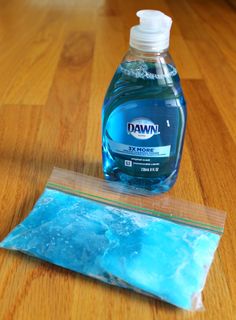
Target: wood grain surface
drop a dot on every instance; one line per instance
(56, 60)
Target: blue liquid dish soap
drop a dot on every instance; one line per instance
(144, 111)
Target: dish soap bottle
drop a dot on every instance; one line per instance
(144, 111)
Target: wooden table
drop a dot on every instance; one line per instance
(56, 61)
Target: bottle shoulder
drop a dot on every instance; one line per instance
(139, 76)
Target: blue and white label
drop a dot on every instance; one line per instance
(149, 152)
(142, 128)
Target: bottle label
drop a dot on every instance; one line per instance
(143, 139)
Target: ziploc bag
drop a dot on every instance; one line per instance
(154, 245)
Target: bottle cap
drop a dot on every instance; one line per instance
(153, 32)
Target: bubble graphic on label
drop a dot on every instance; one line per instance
(141, 71)
(142, 128)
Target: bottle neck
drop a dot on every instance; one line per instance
(147, 55)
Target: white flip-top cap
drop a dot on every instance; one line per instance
(153, 32)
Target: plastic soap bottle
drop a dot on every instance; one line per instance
(144, 111)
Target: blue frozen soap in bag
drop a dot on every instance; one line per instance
(80, 224)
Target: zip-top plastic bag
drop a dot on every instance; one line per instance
(156, 245)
